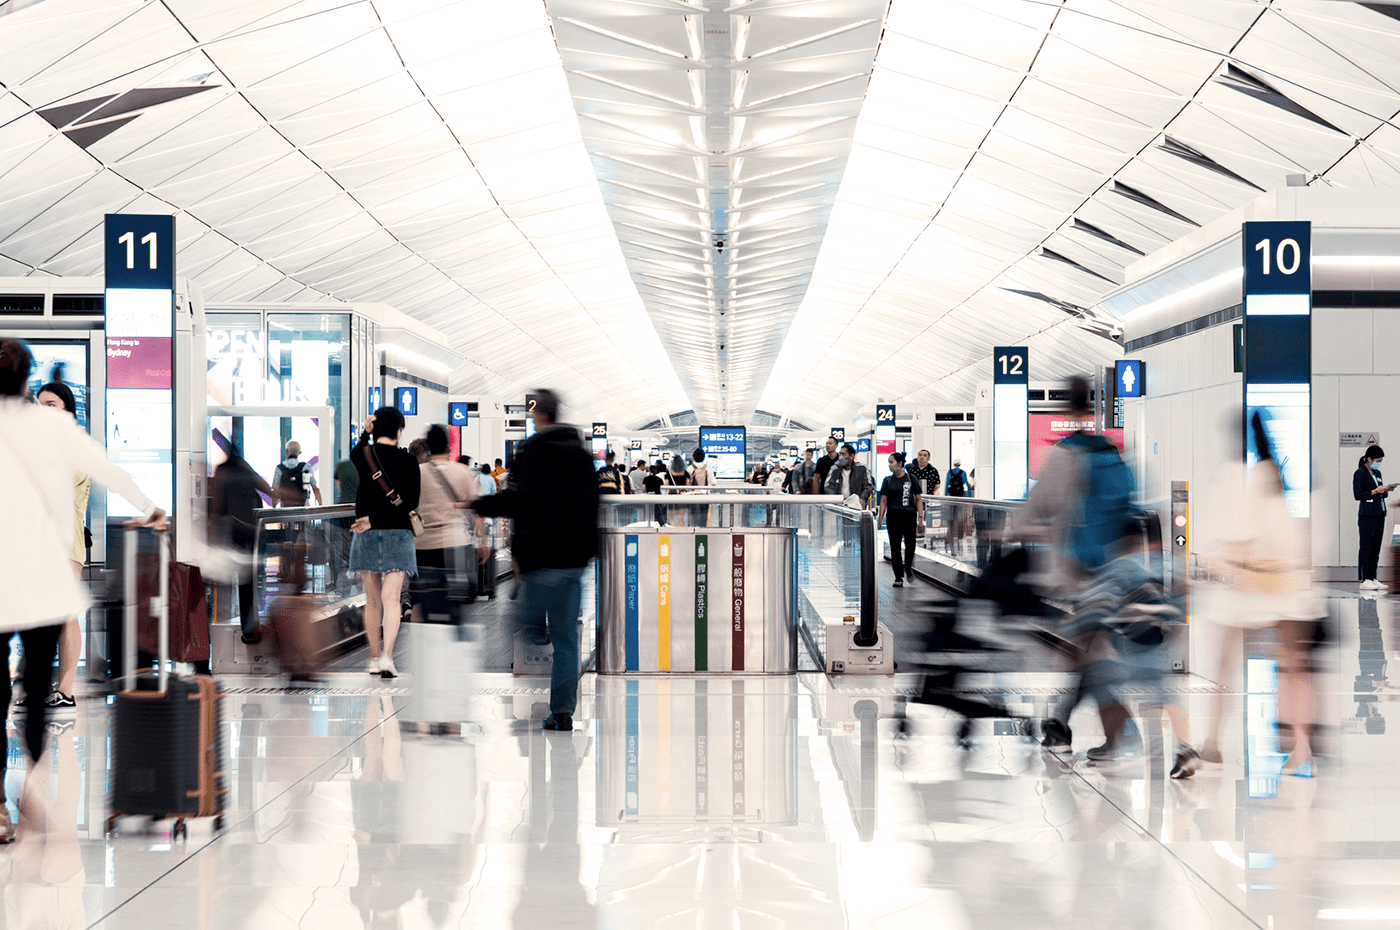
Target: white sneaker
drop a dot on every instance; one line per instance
(386, 668)
(1371, 585)
(374, 665)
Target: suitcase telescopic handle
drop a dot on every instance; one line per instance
(159, 607)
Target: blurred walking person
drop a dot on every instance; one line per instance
(553, 498)
(447, 491)
(59, 396)
(1263, 579)
(236, 493)
(42, 452)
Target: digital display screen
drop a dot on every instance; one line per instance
(140, 415)
(1010, 445)
(66, 362)
(724, 448)
(1286, 410)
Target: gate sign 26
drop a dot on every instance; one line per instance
(838, 433)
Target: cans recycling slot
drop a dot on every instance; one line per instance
(697, 600)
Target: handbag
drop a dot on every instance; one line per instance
(415, 522)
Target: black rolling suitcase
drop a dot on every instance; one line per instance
(168, 760)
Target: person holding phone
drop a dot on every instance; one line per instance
(1368, 488)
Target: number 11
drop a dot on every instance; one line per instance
(129, 240)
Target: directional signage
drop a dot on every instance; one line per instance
(884, 428)
(1010, 423)
(406, 399)
(599, 441)
(634, 444)
(1277, 259)
(140, 341)
(1129, 377)
(838, 433)
(457, 413)
(1181, 539)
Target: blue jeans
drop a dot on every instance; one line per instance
(553, 597)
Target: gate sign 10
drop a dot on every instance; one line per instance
(140, 341)
(1277, 259)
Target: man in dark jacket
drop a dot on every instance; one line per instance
(553, 499)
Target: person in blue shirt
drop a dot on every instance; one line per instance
(1368, 488)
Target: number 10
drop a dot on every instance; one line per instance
(129, 240)
(1283, 266)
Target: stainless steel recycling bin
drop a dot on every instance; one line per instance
(697, 600)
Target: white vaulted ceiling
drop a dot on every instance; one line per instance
(898, 185)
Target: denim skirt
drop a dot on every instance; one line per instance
(383, 551)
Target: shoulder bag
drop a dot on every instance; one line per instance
(415, 522)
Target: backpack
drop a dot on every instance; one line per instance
(1107, 513)
(610, 480)
(291, 485)
(956, 484)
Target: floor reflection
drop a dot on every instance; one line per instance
(752, 801)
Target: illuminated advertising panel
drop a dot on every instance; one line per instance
(1046, 429)
(140, 329)
(724, 450)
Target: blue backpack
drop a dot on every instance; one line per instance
(1108, 513)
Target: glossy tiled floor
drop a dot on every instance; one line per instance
(719, 802)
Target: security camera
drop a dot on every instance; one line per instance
(719, 245)
(721, 347)
(1116, 335)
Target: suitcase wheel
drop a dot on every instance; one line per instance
(219, 822)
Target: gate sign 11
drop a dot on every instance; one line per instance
(140, 338)
(1277, 260)
(1010, 423)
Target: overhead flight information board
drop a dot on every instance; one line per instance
(724, 450)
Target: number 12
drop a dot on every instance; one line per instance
(1016, 361)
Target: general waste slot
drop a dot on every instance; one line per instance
(697, 600)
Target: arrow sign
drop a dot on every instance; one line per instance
(1181, 539)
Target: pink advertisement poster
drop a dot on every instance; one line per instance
(1046, 429)
(138, 362)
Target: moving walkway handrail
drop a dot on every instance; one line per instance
(867, 636)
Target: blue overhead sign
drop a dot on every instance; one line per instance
(457, 414)
(406, 399)
(724, 448)
(376, 399)
(1128, 377)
